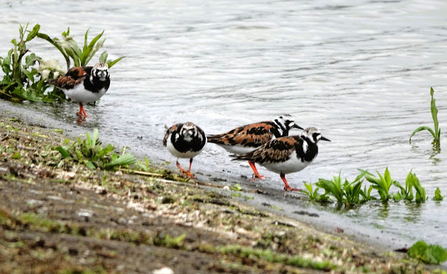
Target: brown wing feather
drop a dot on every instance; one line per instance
(168, 132)
(275, 151)
(73, 77)
(252, 135)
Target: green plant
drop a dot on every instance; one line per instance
(438, 196)
(332, 188)
(436, 132)
(429, 254)
(143, 165)
(168, 241)
(382, 183)
(420, 190)
(90, 152)
(236, 187)
(80, 57)
(406, 192)
(347, 193)
(313, 194)
(22, 81)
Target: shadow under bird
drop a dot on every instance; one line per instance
(84, 84)
(288, 154)
(184, 140)
(247, 138)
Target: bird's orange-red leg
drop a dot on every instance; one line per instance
(186, 172)
(82, 112)
(287, 187)
(256, 174)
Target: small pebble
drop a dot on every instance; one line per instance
(164, 270)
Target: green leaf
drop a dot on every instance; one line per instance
(66, 33)
(420, 190)
(33, 33)
(397, 197)
(92, 48)
(84, 48)
(103, 152)
(103, 57)
(123, 160)
(309, 189)
(434, 112)
(56, 45)
(28, 75)
(387, 178)
(63, 151)
(332, 188)
(90, 165)
(16, 155)
(438, 196)
(236, 187)
(421, 128)
(112, 63)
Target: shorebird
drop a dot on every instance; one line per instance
(184, 140)
(84, 84)
(288, 154)
(247, 138)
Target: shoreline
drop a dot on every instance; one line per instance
(220, 227)
(326, 221)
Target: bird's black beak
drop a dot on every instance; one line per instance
(325, 139)
(297, 126)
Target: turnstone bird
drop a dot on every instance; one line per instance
(247, 138)
(185, 141)
(288, 154)
(84, 84)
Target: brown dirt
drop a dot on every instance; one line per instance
(58, 216)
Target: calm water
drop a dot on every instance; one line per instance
(359, 71)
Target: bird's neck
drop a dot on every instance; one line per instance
(279, 130)
(306, 149)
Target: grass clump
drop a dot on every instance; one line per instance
(90, 152)
(346, 193)
(382, 183)
(170, 242)
(436, 131)
(429, 254)
(273, 257)
(351, 194)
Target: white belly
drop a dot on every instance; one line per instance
(79, 94)
(292, 165)
(237, 149)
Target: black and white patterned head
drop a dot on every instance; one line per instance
(313, 135)
(189, 132)
(284, 124)
(100, 71)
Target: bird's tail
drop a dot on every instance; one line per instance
(245, 156)
(214, 138)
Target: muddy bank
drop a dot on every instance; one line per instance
(63, 217)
